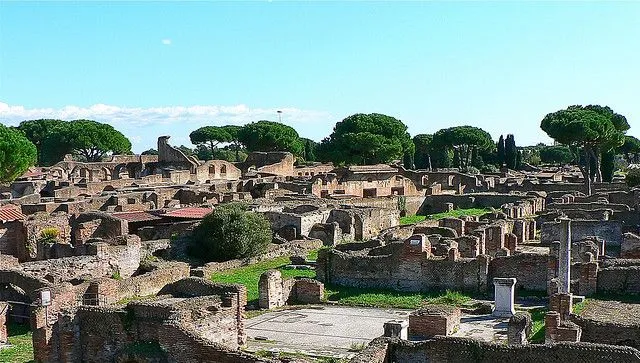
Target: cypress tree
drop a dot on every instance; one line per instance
(501, 155)
(510, 152)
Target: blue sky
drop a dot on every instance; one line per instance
(155, 68)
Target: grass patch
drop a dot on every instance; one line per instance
(579, 307)
(249, 276)
(456, 213)
(313, 255)
(22, 345)
(537, 325)
(380, 298)
(411, 219)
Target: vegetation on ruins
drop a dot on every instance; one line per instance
(49, 235)
(366, 139)
(630, 149)
(37, 131)
(456, 213)
(231, 231)
(17, 154)
(424, 150)
(249, 276)
(537, 324)
(382, 298)
(150, 152)
(21, 349)
(633, 178)
(89, 140)
(510, 152)
(593, 129)
(211, 136)
(556, 154)
(468, 143)
(500, 153)
(310, 147)
(270, 136)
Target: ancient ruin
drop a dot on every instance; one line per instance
(88, 257)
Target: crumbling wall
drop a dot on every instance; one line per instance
(403, 272)
(98, 225)
(610, 231)
(461, 350)
(530, 270)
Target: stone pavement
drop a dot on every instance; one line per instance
(333, 330)
(483, 327)
(319, 330)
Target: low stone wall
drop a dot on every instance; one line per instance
(608, 332)
(152, 282)
(273, 251)
(462, 350)
(619, 280)
(403, 271)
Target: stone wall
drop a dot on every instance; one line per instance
(98, 225)
(275, 163)
(610, 231)
(209, 326)
(530, 270)
(403, 269)
(619, 280)
(290, 248)
(274, 291)
(608, 332)
(462, 350)
(439, 203)
(11, 235)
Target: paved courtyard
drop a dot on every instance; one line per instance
(334, 330)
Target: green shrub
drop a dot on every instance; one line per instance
(231, 232)
(633, 178)
(49, 234)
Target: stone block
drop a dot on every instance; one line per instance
(519, 328)
(504, 297)
(434, 320)
(396, 329)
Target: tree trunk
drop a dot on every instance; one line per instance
(595, 154)
(586, 170)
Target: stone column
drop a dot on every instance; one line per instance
(504, 296)
(564, 257)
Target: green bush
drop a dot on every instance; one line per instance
(49, 234)
(633, 177)
(231, 232)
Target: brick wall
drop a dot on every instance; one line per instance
(461, 350)
(398, 271)
(529, 269)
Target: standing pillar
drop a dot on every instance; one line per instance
(564, 257)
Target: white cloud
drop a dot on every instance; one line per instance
(144, 125)
(166, 41)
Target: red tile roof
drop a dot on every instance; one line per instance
(190, 213)
(10, 214)
(32, 173)
(139, 216)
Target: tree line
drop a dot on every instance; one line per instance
(587, 136)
